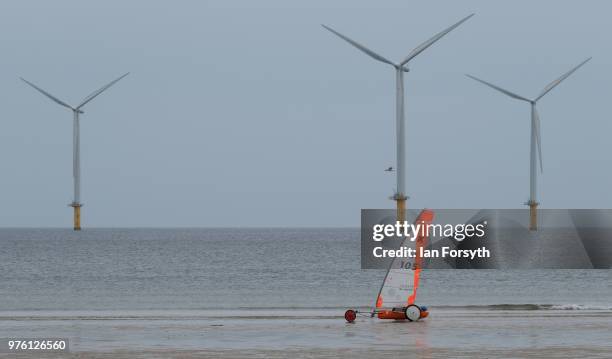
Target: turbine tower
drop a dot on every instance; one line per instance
(535, 139)
(400, 195)
(76, 143)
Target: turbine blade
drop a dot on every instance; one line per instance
(431, 41)
(511, 94)
(538, 137)
(360, 47)
(96, 93)
(554, 84)
(53, 98)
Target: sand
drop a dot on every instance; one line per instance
(458, 333)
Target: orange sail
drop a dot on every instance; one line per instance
(425, 218)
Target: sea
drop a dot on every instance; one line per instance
(201, 287)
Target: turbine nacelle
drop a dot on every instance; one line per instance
(404, 68)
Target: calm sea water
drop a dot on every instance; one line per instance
(217, 269)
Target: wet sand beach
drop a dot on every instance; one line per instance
(449, 332)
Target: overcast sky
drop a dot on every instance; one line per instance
(248, 113)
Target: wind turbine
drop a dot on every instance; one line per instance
(400, 194)
(76, 142)
(536, 140)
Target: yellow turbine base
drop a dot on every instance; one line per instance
(401, 209)
(77, 218)
(533, 217)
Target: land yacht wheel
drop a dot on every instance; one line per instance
(412, 312)
(350, 315)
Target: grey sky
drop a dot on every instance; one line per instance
(250, 114)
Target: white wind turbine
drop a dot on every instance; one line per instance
(536, 140)
(400, 195)
(76, 142)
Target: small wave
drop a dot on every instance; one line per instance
(527, 306)
(580, 307)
